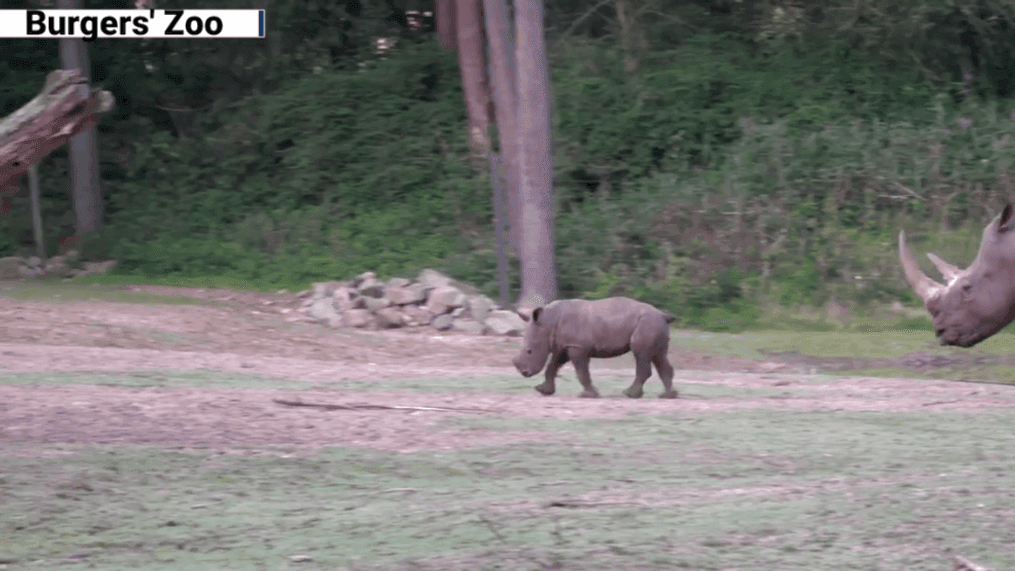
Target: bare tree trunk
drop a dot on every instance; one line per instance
(472, 61)
(502, 66)
(498, 226)
(538, 264)
(444, 14)
(33, 192)
(84, 157)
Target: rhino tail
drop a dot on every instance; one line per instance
(669, 318)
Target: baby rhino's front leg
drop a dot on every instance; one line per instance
(549, 385)
(580, 358)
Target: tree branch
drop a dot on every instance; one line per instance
(42, 125)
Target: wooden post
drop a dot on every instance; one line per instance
(33, 192)
(497, 182)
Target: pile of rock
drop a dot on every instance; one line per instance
(16, 267)
(433, 300)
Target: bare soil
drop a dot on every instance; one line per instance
(261, 334)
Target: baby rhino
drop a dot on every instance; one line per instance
(576, 330)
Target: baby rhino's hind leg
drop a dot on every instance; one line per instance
(642, 372)
(666, 374)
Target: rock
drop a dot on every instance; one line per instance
(324, 309)
(432, 278)
(358, 280)
(479, 307)
(404, 295)
(417, 315)
(444, 298)
(770, 366)
(504, 322)
(442, 322)
(56, 267)
(398, 282)
(458, 311)
(322, 289)
(468, 326)
(34, 262)
(98, 268)
(27, 272)
(389, 317)
(344, 298)
(376, 303)
(10, 268)
(356, 317)
(370, 287)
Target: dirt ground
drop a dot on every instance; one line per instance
(261, 334)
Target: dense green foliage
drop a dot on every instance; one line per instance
(710, 156)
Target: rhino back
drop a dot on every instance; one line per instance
(605, 326)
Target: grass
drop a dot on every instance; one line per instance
(609, 381)
(75, 291)
(876, 339)
(157, 379)
(745, 490)
(223, 282)
(870, 344)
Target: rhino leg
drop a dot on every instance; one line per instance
(642, 372)
(549, 385)
(581, 367)
(666, 374)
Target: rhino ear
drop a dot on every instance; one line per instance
(1006, 220)
(525, 312)
(536, 313)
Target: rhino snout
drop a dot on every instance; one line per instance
(524, 370)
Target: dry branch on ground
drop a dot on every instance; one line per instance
(361, 406)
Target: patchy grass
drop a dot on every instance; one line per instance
(1003, 374)
(76, 291)
(608, 382)
(865, 344)
(221, 282)
(746, 490)
(157, 379)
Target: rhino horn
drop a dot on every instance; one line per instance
(947, 270)
(924, 287)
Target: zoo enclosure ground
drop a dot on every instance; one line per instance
(202, 379)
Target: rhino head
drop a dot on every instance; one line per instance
(538, 338)
(978, 301)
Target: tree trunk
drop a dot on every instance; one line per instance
(475, 85)
(502, 66)
(538, 264)
(498, 226)
(84, 157)
(444, 14)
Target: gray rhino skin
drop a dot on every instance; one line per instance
(978, 301)
(576, 330)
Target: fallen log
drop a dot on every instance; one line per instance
(59, 112)
(963, 564)
(359, 406)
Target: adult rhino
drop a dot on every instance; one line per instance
(576, 330)
(978, 301)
